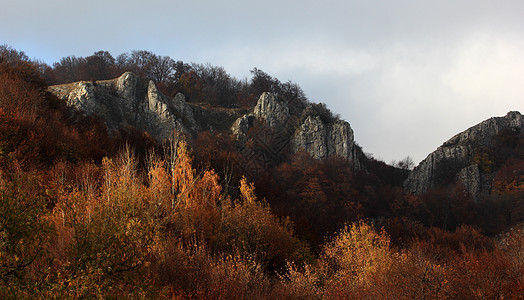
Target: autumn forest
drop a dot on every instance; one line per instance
(91, 213)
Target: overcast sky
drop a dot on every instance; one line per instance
(407, 75)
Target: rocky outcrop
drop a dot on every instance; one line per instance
(129, 101)
(341, 140)
(312, 136)
(274, 111)
(322, 139)
(310, 132)
(241, 126)
(470, 179)
(455, 158)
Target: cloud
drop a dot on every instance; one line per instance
(489, 66)
(420, 96)
(406, 74)
(405, 97)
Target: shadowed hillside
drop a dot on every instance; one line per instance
(181, 185)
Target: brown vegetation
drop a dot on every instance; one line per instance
(83, 216)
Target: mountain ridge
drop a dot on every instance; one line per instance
(294, 125)
(130, 101)
(462, 156)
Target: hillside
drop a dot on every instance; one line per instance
(188, 187)
(295, 126)
(472, 157)
(277, 128)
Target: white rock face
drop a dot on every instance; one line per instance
(83, 97)
(341, 140)
(313, 135)
(322, 139)
(486, 130)
(471, 180)
(275, 112)
(241, 126)
(127, 101)
(456, 154)
(126, 85)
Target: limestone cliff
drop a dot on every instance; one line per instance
(457, 158)
(322, 139)
(291, 127)
(274, 111)
(310, 130)
(130, 101)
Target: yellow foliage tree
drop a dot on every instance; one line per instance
(183, 175)
(105, 240)
(357, 255)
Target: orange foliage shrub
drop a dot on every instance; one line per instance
(488, 274)
(355, 259)
(251, 229)
(25, 230)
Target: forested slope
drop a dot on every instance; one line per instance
(90, 213)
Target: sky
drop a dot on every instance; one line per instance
(406, 74)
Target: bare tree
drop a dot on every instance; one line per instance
(10, 55)
(406, 163)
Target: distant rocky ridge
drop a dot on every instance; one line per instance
(306, 131)
(456, 156)
(292, 127)
(130, 101)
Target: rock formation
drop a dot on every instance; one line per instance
(471, 180)
(455, 159)
(274, 111)
(289, 127)
(320, 137)
(129, 101)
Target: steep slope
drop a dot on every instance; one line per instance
(467, 157)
